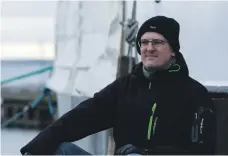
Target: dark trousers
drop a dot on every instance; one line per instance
(68, 148)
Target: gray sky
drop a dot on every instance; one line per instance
(28, 8)
(27, 21)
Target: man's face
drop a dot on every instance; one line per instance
(155, 50)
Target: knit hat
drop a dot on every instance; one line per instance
(168, 27)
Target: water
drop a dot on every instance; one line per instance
(12, 68)
(12, 140)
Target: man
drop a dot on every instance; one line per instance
(157, 109)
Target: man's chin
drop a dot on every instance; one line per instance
(150, 65)
(153, 66)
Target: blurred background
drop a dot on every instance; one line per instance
(55, 54)
(27, 44)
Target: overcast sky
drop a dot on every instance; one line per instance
(27, 29)
(28, 8)
(28, 21)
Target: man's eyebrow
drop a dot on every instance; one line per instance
(152, 39)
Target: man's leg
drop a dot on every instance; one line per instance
(68, 148)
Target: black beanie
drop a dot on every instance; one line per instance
(168, 27)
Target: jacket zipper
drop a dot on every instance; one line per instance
(149, 87)
(151, 121)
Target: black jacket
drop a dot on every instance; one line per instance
(126, 105)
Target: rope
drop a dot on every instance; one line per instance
(45, 92)
(131, 31)
(132, 27)
(50, 104)
(27, 75)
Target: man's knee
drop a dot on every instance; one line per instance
(65, 148)
(66, 145)
(68, 148)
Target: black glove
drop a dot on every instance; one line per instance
(128, 149)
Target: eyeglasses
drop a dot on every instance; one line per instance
(155, 42)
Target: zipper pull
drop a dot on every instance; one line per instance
(154, 127)
(201, 126)
(149, 86)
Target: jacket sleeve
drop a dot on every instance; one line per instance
(89, 117)
(203, 133)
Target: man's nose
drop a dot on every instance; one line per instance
(150, 47)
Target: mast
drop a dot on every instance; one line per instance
(120, 67)
(126, 62)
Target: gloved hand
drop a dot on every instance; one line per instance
(128, 149)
